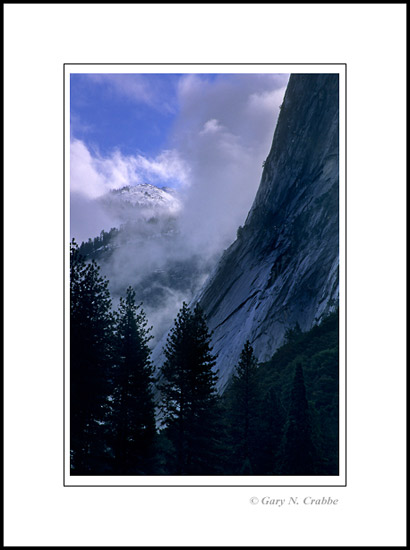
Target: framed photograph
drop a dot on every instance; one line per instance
(205, 265)
(205, 288)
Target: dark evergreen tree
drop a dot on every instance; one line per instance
(243, 399)
(91, 325)
(133, 410)
(189, 397)
(298, 455)
(269, 434)
(293, 335)
(318, 351)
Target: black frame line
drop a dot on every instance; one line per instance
(64, 277)
(241, 64)
(64, 282)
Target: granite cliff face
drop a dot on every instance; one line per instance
(283, 268)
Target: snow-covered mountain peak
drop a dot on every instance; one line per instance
(141, 202)
(145, 195)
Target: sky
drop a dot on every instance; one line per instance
(130, 113)
(203, 134)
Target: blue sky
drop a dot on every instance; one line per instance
(113, 111)
(129, 112)
(206, 135)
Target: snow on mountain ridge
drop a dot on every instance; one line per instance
(146, 195)
(141, 202)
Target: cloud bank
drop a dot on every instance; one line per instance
(223, 133)
(220, 137)
(93, 176)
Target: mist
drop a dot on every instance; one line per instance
(212, 166)
(224, 132)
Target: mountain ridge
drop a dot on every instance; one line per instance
(282, 270)
(130, 202)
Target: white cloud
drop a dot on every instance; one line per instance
(211, 126)
(166, 167)
(220, 137)
(266, 101)
(88, 217)
(224, 132)
(94, 175)
(84, 176)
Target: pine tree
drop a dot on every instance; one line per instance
(269, 434)
(133, 410)
(243, 412)
(298, 455)
(293, 334)
(189, 396)
(91, 325)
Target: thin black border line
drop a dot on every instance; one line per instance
(241, 64)
(215, 486)
(345, 177)
(64, 285)
(64, 245)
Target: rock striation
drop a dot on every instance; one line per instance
(283, 269)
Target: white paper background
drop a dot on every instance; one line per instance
(39, 38)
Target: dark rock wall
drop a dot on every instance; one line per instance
(283, 268)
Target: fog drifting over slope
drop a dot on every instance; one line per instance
(220, 138)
